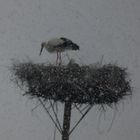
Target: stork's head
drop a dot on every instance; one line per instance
(43, 44)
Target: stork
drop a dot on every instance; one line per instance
(58, 45)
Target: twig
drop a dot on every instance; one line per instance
(55, 114)
(78, 109)
(49, 115)
(80, 119)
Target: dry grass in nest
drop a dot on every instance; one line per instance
(85, 84)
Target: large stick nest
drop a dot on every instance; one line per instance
(78, 84)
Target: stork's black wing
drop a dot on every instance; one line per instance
(69, 44)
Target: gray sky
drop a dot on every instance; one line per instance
(101, 27)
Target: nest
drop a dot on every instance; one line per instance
(85, 84)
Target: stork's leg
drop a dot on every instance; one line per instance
(60, 59)
(57, 59)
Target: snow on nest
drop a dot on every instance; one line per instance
(84, 84)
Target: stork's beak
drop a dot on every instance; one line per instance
(41, 49)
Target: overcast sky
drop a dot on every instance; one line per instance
(109, 28)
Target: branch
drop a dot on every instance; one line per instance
(49, 115)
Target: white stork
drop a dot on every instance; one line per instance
(58, 45)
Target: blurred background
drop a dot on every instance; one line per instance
(101, 28)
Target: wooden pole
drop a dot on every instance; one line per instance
(66, 121)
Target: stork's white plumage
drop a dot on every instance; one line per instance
(58, 45)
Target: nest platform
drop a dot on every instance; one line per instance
(84, 84)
